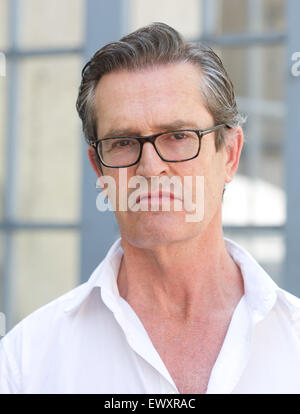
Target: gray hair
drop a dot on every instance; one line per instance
(159, 44)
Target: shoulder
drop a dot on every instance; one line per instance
(291, 302)
(30, 335)
(290, 305)
(43, 326)
(40, 323)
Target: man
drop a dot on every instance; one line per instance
(174, 307)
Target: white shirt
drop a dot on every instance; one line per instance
(91, 341)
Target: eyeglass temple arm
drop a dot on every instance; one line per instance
(207, 131)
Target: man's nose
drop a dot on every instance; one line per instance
(150, 163)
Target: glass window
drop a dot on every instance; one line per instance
(235, 63)
(231, 16)
(272, 165)
(184, 17)
(49, 143)
(50, 23)
(267, 248)
(240, 16)
(45, 266)
(273, 15)
(253, 202)
(1, 271)
(273, 68)
(258, 76)
(3, 115)
(268, 63)
(3, 24)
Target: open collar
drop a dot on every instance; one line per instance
(261, 292)
(104, 276)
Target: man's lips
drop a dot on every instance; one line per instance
(156, 195)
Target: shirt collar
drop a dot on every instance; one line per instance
(260, 290)
(104, 276)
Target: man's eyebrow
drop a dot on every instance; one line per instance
(178, 124)
(120, 133)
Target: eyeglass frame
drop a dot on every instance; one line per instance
(151, 138)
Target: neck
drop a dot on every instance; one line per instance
(181, 279)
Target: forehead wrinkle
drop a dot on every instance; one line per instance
(170, 126)
(148, 102)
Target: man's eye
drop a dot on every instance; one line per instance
(122, 143)
(179, 136)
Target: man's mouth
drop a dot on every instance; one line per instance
(155, 196)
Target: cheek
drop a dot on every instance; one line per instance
(212, 167)
(214, 183)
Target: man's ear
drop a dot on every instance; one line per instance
(233, 146)
(94, 161)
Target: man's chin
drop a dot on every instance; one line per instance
(150, 229)
(147, 220)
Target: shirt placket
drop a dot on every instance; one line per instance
(137, 337)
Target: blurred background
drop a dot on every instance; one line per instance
(51, 234)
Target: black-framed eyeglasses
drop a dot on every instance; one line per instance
(172, 146)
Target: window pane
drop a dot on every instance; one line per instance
(273, 66)
(240, 16)
(258, 76)
(262, 156)
(272, 168)
(231, 16)
(253, 202)
(235, 62)
(3, 116)
(1, 271)
(45, 266)
(273, 15)
(267, 62)
(49, 143)
(3, 24)
(267, 248)
(51, 23)
(183, 15)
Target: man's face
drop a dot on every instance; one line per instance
(151, 101)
